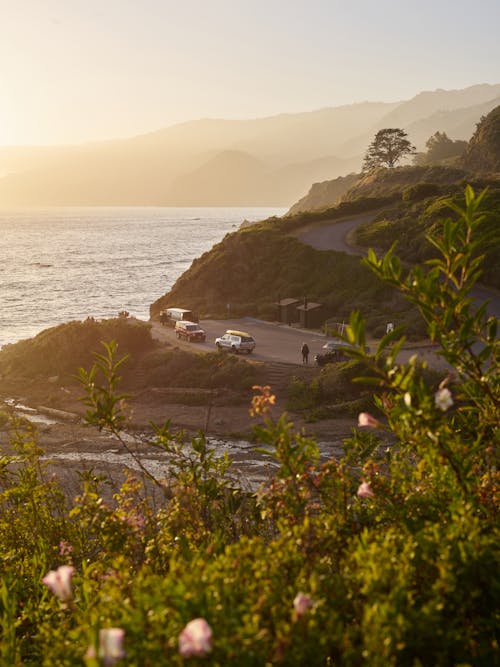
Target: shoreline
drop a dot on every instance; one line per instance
(70, 446)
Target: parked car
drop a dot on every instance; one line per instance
(236, 341)
(189, 330)
(335, 350)
(172, 315)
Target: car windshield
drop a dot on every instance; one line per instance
(336, 345)
(192, 327)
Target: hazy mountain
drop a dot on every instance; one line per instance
(236, 178)
(455, 112)
(265, 161)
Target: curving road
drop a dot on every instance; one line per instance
(334, 235)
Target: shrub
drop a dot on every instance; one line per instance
(421, 191)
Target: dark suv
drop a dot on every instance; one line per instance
(189, 330)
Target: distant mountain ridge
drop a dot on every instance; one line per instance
(263, 161)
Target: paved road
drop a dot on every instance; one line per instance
(334, 235)
(275, 342)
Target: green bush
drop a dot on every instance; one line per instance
(60, 350)
(178, 368)
(421, 191)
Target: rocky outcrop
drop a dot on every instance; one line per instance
(325, 194)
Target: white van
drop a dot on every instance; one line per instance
(189, 330)
(236, 341)
(172, 315)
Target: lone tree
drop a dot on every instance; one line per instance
(388, 147)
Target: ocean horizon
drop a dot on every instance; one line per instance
(70, 263)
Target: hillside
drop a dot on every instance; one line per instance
(483, 152)
(482, 157)
(253, 268)
(256, 266)
(196, 163)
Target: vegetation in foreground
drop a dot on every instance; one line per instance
(388, 556)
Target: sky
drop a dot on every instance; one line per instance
(73, 71)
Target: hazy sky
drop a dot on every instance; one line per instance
(78, 70)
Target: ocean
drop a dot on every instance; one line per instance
(61, 264)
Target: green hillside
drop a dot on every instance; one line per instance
(254, 267)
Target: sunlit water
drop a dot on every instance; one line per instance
(64, 264)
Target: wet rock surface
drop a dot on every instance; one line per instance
(73, 448)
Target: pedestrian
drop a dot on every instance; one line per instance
(305, 353)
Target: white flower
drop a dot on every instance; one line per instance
(59, 582)
(365, 491)
(196, 639)
(302, 603)
(366, 419)
(111, 645)
(443, 399)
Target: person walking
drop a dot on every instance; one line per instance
(305, 353)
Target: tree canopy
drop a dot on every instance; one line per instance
(440, 147)
(387, 148)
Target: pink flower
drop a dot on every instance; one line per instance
(302, 603)
(59, 582)
(65, 549)
(365, 490)
(366, 419)
(111, 645)
(196, 639)
(443, 399)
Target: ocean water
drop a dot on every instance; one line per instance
(64, 264)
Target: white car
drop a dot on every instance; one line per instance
(336, 346)
(236, 341)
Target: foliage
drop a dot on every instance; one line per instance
(410, 226)
(61, 349)
(386, 556)
(177, 368)
(483, 152)
(333, 386)
(441, 148)
(389, 146)
(421, 191)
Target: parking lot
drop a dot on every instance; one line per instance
(275, 342)
(279, 342)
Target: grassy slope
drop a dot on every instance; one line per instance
(253, 267)
(63, 349)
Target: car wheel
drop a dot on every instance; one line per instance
(249, 351)
(217, 345)
(233, 348)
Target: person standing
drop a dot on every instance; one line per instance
(305, 353)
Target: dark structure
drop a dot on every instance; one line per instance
(287, 310)
(311, 314)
